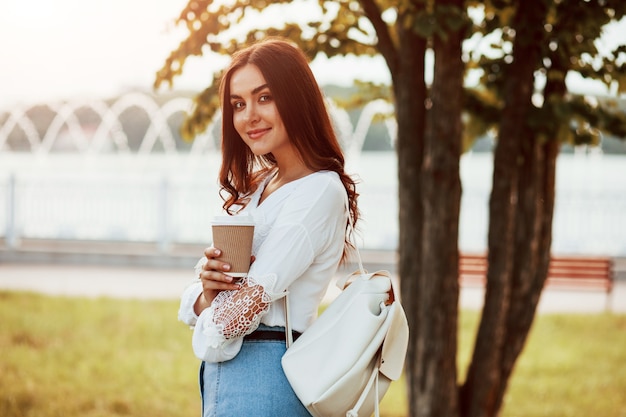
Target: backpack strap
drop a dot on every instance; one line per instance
(373, 380)
(288, 332)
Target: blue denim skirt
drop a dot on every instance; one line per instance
(252, 384)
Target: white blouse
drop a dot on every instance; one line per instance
(298, 242)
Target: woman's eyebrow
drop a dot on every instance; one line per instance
(259, 88)
(256, 90)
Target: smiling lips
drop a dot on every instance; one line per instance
(257, 133)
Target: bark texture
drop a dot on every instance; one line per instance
(514, 223)
(410, 93)
(533, 237)
(434, 391)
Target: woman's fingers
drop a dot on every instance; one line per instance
(212, 252)
(214, 282)
(212, 263)
(215, 277)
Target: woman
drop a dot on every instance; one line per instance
(282, 164)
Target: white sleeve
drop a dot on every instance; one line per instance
(209, 343)
(190, 295)
(188, 299)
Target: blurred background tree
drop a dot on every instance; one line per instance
(521, 98)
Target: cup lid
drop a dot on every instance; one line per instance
(238, 220)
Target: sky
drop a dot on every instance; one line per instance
(54, 50)
(75, 49)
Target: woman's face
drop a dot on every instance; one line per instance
(255, 115)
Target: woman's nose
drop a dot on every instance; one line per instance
(251, 114)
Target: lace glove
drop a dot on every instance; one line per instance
(219, 331)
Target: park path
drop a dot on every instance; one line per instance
(144, 282)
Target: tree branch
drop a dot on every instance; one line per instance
(386, 46)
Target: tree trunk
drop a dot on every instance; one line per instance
(532, 249)
(481, 392)
(410, 93)
(434, 390)
(534, 232)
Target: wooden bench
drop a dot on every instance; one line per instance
(566, 272)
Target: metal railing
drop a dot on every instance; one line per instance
(168, 210)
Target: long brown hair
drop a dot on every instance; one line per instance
(303, 111)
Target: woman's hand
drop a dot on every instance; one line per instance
(213, 279)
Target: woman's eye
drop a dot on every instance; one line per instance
(265, 97)
(237, 105)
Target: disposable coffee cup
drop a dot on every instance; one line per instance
(233, 236)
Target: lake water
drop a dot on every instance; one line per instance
(172, 198)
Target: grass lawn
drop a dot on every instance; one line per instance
(102, 357)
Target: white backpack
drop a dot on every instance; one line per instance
(344, 363)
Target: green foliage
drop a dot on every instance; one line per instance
(361, 28)
(440, 21)
(207, 105)
(364, 93)
(568, 43)
(486, 110)
(571, 36)
(212, 30)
